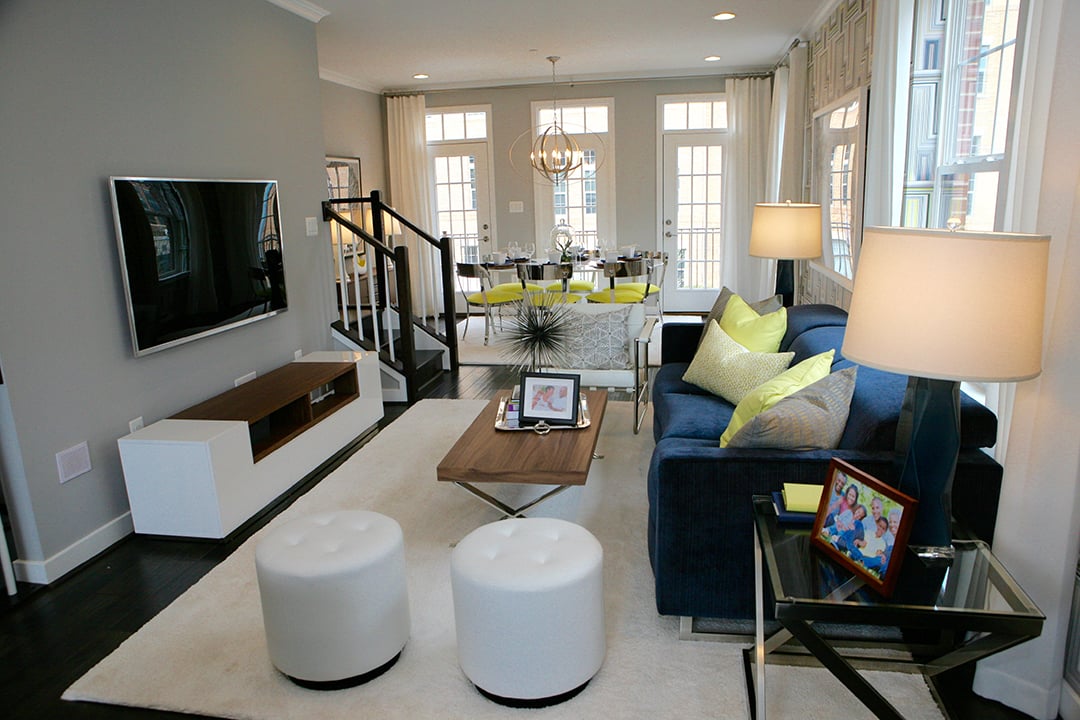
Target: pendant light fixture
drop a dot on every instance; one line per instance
(555, 154)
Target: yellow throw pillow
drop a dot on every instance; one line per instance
(764, 396)
(758, 333)
(725, 368)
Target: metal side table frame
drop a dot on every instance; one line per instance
(976, 607)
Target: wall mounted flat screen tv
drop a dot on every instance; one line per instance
(198, 257)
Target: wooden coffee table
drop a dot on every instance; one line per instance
(486, 455)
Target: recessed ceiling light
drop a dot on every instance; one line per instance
(712, 58)
(724, 16)
(421, 76)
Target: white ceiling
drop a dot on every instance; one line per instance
(378, 45)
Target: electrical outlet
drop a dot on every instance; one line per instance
(517, 206)
(298, 354)
(135, 424)
(243, 379)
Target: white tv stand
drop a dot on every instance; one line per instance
(206, 470)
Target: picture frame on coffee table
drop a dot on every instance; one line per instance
(863, 525)
(550, 398)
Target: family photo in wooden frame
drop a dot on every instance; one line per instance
(863, 524)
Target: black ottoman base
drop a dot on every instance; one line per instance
(532, 702)
(346, 682)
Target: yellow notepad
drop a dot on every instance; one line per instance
(801, 497)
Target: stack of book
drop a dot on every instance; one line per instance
(797, 503)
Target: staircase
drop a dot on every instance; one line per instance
(394, 286)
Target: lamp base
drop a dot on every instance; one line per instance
(928, 444)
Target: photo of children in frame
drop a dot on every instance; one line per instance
(863, 524)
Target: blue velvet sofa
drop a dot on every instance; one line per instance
(700, 533)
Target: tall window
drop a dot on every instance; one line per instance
(586, 199)
(458, 141)
(960, 112)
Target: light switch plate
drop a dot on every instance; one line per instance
(517, 206)
(312, 226)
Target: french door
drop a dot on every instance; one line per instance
(463, 202)
(692, 216)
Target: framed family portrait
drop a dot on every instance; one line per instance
(863, 524)
(549, 398)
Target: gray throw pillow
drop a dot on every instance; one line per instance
(811, 419)
(599, 340)
(761, 307)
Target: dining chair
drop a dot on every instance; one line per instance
(489, 296)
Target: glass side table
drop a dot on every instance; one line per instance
(970, 605)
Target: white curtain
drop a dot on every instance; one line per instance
(787, 136)
(887, 116)
(792, 156)
(1038, 524)
(748, 101)
(410, 194)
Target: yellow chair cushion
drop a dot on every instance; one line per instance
(547, 299)
(577, 286)
(516, 287)
(757, 333)
(495, 297)
(622, 295)
(640, 287)
(770, 392)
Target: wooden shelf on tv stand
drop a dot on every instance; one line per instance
(283, 403)
(207, 470)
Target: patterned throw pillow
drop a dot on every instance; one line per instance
(811, 419)
(725, 368)
(770, 392)
(599, 340)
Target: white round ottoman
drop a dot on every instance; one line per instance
(334, 600)
(529, 609)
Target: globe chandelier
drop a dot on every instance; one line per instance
(555, 154)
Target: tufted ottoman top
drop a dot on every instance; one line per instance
(527, 554)
(328, 543)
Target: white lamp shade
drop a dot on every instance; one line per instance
(789, 231)
(949, 305)
(391, 226)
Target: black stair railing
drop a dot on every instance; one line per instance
(389, 273)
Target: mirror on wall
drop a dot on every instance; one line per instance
(839, 163)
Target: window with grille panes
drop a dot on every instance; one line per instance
(459, 145)
(586, 199)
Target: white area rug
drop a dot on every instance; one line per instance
(206, 653)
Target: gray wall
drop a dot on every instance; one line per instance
(635, 148)
(90, 88)
(354, 126)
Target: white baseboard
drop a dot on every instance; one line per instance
(1017, 693)
(1070, 703)
(43, 572)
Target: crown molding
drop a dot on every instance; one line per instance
(307, 10)
(347, 80)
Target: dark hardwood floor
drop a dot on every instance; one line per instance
(51, 635)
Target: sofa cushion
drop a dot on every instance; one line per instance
(807, 317)
(759, 333)
(811, 419)
(726, 368)
(688, 415)
(773, 391)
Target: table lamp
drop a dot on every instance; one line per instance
(787, 232)
(943, 306)
(390, 225)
